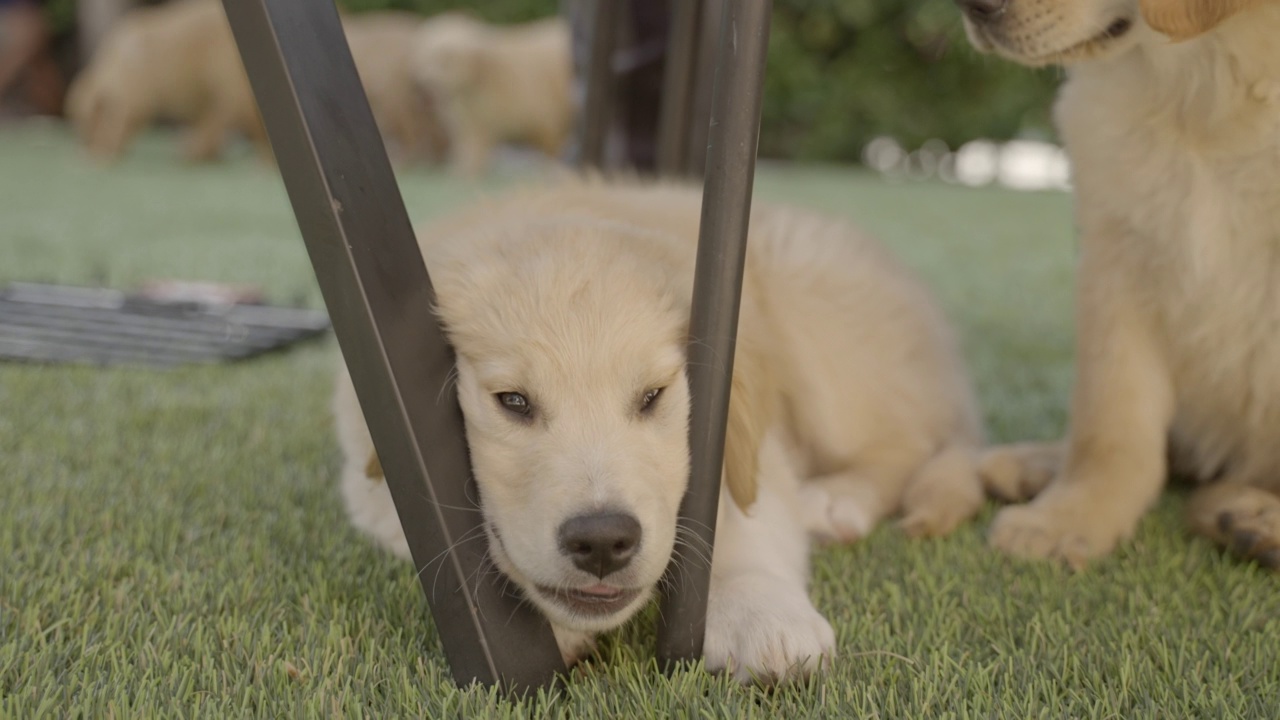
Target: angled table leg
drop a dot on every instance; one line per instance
(717, 289)
(379, 297)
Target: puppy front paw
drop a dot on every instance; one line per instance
(1017, 473)
(1064, 527)
(759, 629)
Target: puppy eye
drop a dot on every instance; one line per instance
(646, 402)
(515, 402)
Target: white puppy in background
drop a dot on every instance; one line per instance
(497, 84)
(568, 308)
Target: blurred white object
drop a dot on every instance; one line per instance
(924, 163)
(977, 162)
(1032, 165)
(884, 154)
(1017, 164)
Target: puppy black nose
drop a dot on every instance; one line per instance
(600, 543)
(983, 10)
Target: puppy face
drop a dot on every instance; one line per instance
(1053, 32)
(570, 359)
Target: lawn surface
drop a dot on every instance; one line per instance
(172, 544)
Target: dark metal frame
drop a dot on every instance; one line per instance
(598, 106)
(692, 57)
(379, 298)
(713, 327)
(679, 83)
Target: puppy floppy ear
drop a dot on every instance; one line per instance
(750, 412)
(1185, 19)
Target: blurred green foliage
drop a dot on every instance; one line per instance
(844, 71)
(62, 14)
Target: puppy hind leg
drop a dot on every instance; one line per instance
(1018, 472)
(847, 505)
(364, 491)
(1240, 518)
(943, 493)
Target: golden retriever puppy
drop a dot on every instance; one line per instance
(1174, 148)
(568, 308)
(176, 61)
(381, 43)
(497, 84)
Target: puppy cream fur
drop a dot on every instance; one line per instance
(850, 404)
(1174, 148)
(497, 84)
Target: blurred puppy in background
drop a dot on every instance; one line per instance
(177, 62)
(381, 45)
(497, 84)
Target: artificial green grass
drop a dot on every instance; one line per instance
(172, 544)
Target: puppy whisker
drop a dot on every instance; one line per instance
(693, 544)
(692, 550)
(474, 508)
(450, 381)
(688, 520)
(468, 536)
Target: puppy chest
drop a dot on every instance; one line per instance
(1221, 319)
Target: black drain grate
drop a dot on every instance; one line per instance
(60, 324)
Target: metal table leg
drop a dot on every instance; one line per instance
(704, 68)
(597, 111)
(717, 289)
(379, 297)
(679, 80)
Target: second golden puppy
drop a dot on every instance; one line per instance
(1174, 148)
(381, 44)
(496, 84)
(569, 307)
